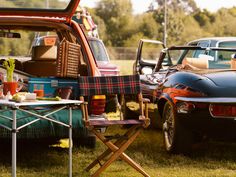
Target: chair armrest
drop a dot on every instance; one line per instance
(84, 107)
(144, 113)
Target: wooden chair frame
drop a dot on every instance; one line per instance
(115, 149)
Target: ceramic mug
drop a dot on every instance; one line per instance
(12, 87)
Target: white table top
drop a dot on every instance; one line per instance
(39, 103)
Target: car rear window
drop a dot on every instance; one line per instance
(39, 4)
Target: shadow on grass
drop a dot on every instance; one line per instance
(33, 154)
(147, 150)
(150, 146)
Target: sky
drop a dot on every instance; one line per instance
(140, 6)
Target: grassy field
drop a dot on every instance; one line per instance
(125, 66)
(210, 159)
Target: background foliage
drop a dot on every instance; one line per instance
(121, 28)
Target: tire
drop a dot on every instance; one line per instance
(177, 138)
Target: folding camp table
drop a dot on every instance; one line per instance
(30, 108)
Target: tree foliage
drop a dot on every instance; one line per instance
(118, 26)
(185, 22)
(204, 17)
(188, 6)
(117, 15)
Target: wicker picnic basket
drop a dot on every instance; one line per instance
(68, 59)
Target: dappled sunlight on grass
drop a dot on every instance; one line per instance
(63, 143)
(113, 115)
(214, 160)
(211, 159)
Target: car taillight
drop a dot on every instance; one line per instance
(97, 104)
(222, 110)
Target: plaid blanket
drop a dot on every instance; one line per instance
(103, 85)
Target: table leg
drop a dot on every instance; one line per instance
(14, 144)
(70, 142)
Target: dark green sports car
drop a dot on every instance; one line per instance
(195, 90)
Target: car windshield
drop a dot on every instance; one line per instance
(151, 51)
(209, 58)
(98, 50)
(41, 4)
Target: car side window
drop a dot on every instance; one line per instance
(98, 50)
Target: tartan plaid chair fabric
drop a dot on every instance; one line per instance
(104, 85)
(109, 85)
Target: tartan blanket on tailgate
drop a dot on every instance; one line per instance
(103, 85)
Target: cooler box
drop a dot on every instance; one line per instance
(50, 84)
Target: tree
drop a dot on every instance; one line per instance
(191, 31)
(177, 10)
(148, 26)
(187, 6)
(224, 23)
(101, 26)
(204, 17)
(118, 18)
(39, 4)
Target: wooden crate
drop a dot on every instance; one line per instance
(68, 59)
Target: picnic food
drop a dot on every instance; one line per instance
(23, 96)
(57, 98)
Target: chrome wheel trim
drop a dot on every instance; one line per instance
(168, 128)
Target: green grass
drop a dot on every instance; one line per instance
(208, 160)
(125, 66)
(212, 160)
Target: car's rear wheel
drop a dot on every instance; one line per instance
(177, 138)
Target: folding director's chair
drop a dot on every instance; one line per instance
(106, 85)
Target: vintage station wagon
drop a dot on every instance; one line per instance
(20, 23)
